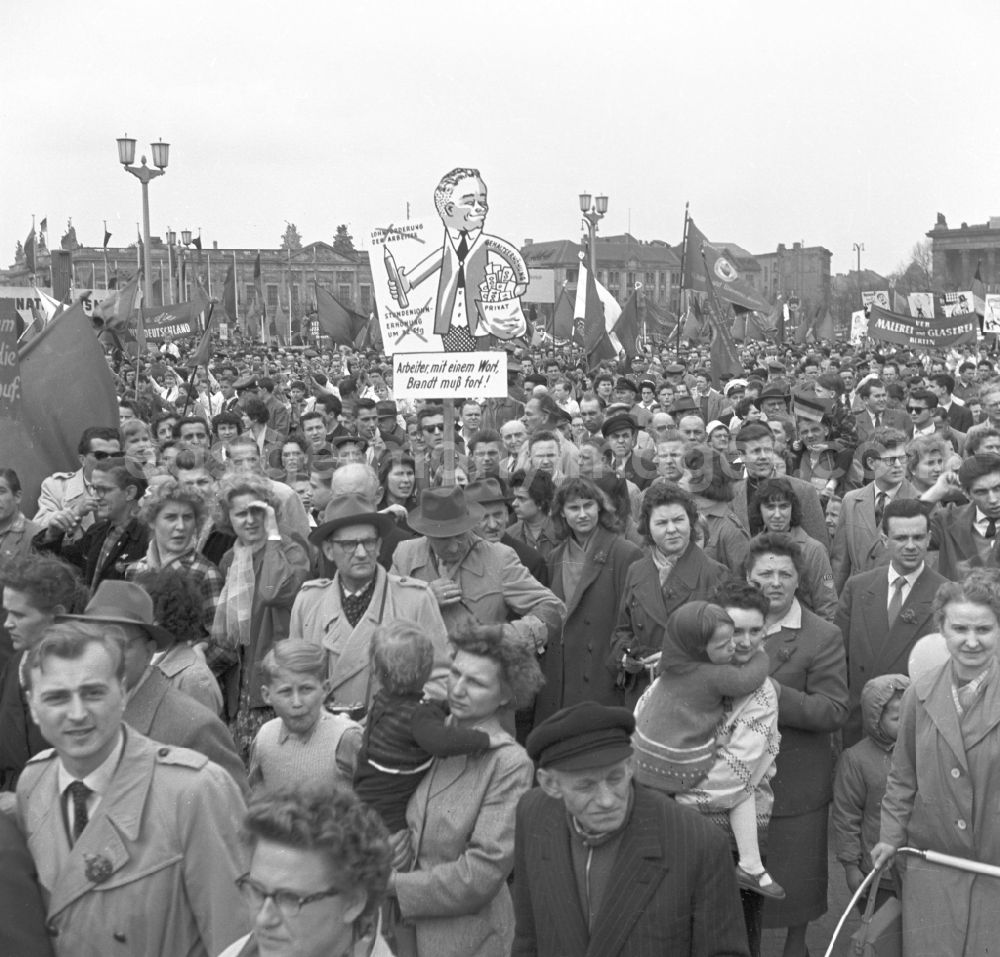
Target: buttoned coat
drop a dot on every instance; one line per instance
(318, 616)
(813, 517)
(169, 716)
(645, 607)
(954, 538)
(942, 796)
(891, 419)
(166, 832)
(872, 647)
(575, 663)
(672, 889)
(495, 586)
(808, 663)
(857, 539)
(461, 820)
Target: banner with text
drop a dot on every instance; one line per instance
(929, 333)
(877, 297)
(437, 375)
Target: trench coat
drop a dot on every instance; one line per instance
(318, 616)
(942, 795)
(645, 607)
(575, 664)
(167, 836)
(461, 820)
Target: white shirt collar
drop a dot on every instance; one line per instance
(471, 235)
(99, 780)
(911, 577)
(792, 619)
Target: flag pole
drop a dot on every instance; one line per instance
(105, 252)
(681, 301)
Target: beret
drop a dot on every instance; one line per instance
(582, 736)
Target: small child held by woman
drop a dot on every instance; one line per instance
(677, 716)
(404, 733)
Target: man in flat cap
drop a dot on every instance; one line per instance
(605, 866)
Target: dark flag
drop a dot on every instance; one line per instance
(562, 317)
(29, 251)
(107, 236)
(196, 242)
(596, 343)
(627, 329)
(706, 266)
(336, 321)
(229, 295)
(201, 355)
(725, 360)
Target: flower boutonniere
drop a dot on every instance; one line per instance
(907, 615)
(98, 868)
(784, 654)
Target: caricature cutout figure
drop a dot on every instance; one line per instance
(480, 277)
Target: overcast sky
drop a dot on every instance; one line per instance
(830, 123)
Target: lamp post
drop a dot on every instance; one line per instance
(161, 156)
(592, 215)
(859, 248)
(182, 271)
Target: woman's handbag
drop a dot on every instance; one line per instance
(881, 931)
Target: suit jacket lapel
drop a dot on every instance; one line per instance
(142, 706)
(639, 869)
(912, 616)
(875, 601)
(561, 901)
(940, 709)
(352, 649)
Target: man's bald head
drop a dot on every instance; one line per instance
(356, 479)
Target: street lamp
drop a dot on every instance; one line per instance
(592, 215)
(859, 248)
(161, 156)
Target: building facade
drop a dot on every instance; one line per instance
(957, 253)
(800, 275)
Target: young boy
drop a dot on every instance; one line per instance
(305, 746)
(860, 783)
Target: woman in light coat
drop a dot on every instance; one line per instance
(461, 817)
(945, 778)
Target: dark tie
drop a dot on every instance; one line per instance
(880, 500)
(79, 792)
(991, 529)
(896, 601)
(463, 251)
(878, 420)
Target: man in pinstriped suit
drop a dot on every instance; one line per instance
(604, 867)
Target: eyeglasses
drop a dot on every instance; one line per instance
(288, 902)
(101, 456)
(352, 544)
(916, 408)
(892, 459)
(437, 427)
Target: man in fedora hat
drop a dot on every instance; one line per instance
(154, 708)
(495, 498)
(342, 613)
(471, 578)
(603, 865)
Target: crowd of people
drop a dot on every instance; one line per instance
(293, 667)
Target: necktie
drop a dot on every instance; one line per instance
(879, 507)
(79, 792)
(356, 605)
(462, 251)
(991, 529)
(896, 601)
(878, 420)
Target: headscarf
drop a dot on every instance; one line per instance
(875, 695)
(688, 632)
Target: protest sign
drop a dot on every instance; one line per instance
(958, 304)
(991, 317)
(859, 326)
(435, 375)
(921, 304)
(879, 297)
(931, 333)
(445, 284)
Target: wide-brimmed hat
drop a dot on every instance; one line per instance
(487, 490)
(348, 510)
(124, 603)
(444, 512)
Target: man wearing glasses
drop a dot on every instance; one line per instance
(427, 464)
(920, 407)
(858, 545)
(66, 501)
(342, 613)
(319, 868)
